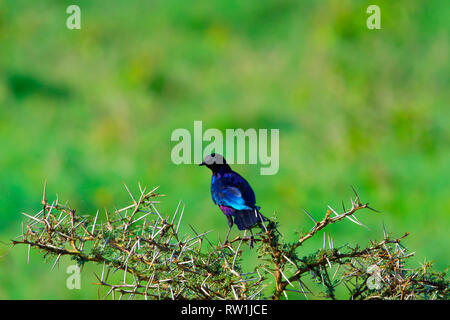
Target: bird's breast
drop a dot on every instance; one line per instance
(227, 210)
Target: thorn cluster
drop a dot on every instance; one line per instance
(156, 260)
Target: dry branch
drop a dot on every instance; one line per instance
(158, 262)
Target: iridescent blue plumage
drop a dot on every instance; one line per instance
(229, 189)
(233, 194)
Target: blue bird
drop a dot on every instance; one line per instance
(233, 194)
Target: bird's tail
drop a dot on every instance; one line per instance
(246, 219)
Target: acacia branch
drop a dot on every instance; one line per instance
(162, 263)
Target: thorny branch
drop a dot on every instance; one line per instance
(158, 262)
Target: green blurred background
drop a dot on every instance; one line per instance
(90, 109)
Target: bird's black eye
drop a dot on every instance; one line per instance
(214, 159)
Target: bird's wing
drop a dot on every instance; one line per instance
(230, 197)
(233, 191)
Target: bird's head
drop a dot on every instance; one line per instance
(215, 162)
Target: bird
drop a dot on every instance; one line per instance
(233, 194)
